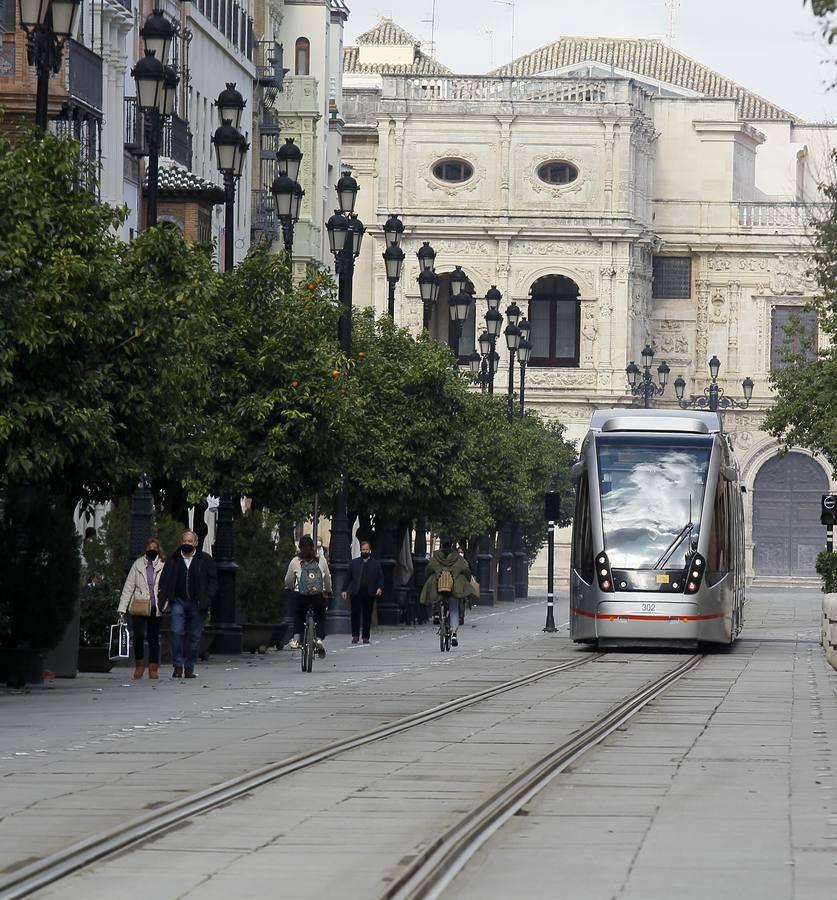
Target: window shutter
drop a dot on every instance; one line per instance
(8, 15)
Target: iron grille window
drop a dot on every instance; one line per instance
(8, 11)
(793, 332)
(672, 278)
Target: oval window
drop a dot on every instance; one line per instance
(557, 172)
(455, 170)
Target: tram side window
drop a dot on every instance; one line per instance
(717, 563)
(583, 532)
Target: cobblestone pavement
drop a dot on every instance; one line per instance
(723, 786)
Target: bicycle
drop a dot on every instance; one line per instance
(444, 631)
(308, 635)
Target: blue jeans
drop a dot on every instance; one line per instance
(186, 630)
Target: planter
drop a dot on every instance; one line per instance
(165, 645)
(829, 628)
(19, 667)
(94, 659)
(256, 637)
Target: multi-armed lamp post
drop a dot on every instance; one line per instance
(231, 151)
(393, 258)
(428, 282)
(156, 83)
(286, 190)
(713, 397)
(641, 383)
(48, 24)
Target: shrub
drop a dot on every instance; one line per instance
(260, 582)
(99, 604)
(40, 572)
(826, 567)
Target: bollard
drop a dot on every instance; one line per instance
(553, 513)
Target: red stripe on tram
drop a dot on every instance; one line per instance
(643, 618)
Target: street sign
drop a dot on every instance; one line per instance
(828, 509)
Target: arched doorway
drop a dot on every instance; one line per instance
(555, 319)
(787, 535)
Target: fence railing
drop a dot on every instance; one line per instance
(85, 75)
(478, 89)
(176, 141)
(134, 138)
(263, 212)
(780, 215)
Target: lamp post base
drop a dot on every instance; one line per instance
(226, 639)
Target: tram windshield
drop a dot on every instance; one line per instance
(651, 488)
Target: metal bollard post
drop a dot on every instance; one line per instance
(553, 511)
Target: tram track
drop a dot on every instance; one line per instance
(438, 864)
(97, 847)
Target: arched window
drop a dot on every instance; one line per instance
(302, 57)
(555, 319)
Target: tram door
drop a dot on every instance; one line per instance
(787, 535)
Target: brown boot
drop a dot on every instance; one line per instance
(139, 668)
(153, 670)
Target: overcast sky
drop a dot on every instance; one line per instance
(772, 47)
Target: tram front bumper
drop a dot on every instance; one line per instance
(646, 618)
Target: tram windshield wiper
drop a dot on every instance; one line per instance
(684, 532)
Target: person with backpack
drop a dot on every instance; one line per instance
(308, 576)
(447, 573)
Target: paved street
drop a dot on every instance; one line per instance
(725, 783)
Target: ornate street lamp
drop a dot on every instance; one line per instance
(641, 383)
(289, 159)
(157, 33)
(457, 280)
(287, 200)
(393, 230)
(713, 397)
(513, 338)
(524, 351)
(393, 262)
(48, 25)
(231, 105)
(428, 282)
(345, 234)
(230, 150)
(150, 76)
(426, 257)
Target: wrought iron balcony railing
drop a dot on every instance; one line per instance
(176, 141)
(84, 79)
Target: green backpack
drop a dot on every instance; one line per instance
(310, 577)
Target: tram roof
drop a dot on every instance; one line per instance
(677, 420)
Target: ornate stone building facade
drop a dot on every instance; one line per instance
(620, 193)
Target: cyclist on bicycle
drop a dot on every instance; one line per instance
(447, 558)
(308, 576)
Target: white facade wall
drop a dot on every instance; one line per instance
(657, 175)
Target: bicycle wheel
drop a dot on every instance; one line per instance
(309, 640)
(303, 656)
(447, 631)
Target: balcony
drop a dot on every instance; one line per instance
(134, 128)
(176, 141)
(780, 216)
(263, 226)
(84, 76)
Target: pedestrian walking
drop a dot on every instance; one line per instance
(310, 580)
(188, 585)
(139, 600)
(448, 559)
(366, 583)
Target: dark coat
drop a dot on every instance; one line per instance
(204, 579)
(460, 569)
(374, 576)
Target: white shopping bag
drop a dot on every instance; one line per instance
(120, 641)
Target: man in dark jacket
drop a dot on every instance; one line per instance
(188, 584)
(366, 582)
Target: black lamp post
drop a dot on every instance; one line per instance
(513, 338)
(286, 190)
(641, 383)
(48, 25)
(484, 362)
(428, 282)
(524, 351)
(345, 234)
(393, 258)
(713, 397)
(156, 84)
(230, 150)
(493, 326)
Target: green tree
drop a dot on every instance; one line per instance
(96, 337)
(278, 384)
(404, 453)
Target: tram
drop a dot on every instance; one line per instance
(658, 533)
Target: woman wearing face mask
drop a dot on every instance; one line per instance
(140, 599)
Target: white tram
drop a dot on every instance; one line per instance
(658, 532)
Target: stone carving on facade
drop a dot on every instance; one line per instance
(719, 306)
(555, 248)
(567, 413)
(557, 191)
(462, 248)
(589, 330)
(450, 188)
(793, 275)
(702, 326)
(670, 339)
(569, 378)
(734, 304)
(727, 262)
(735, 421)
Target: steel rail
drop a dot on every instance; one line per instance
(83, 853)
(435, 867)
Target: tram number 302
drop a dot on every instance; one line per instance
(649, 607)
